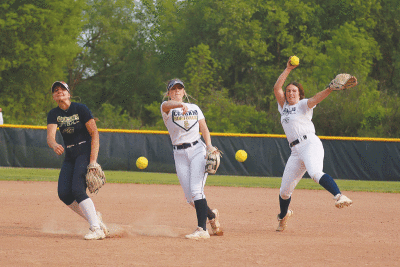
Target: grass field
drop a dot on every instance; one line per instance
(29, 174)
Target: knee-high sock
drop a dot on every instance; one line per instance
(89, 211)
(329, 184)
(284, 205)
(75, 207)
(201, 211)
(210, 214)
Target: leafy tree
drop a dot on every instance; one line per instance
(118, 65)
(37, 39)
(225, 116)
(389, 123)
(112, 117)
(118, 56)
(107, 32)
(387, 34)
(201, 72)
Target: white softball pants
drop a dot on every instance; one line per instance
(308, 156)
(190, 166)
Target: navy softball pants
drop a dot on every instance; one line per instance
(72, 182)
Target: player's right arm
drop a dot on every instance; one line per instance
(278, 91)
(51, 139)
(171, 104)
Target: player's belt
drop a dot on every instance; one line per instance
(297, 141)
(76, 144)
(185, 145)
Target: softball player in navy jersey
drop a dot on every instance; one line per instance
(81, 141)
(307, 152)
(184, 121)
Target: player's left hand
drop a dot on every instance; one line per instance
(213, 159)
(95, 177)
(342, 81)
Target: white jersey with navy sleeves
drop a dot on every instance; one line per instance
(183, 128)
(296, 119)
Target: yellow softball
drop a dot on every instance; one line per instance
(294, 61)
(142, 163)
(241, 155)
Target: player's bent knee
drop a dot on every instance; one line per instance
(79, 196)
(316, 176)
(285, 195)
(198, 197)
(65, 197)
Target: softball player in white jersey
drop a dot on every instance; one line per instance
(307, 151)
(184, 121)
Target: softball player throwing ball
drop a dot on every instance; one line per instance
(307, 152)
(81, 140)
(183, 121)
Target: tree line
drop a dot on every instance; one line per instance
(118, 55)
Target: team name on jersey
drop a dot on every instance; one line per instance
(185, 121)
(190, 115)
(67, 121)
(288, 111)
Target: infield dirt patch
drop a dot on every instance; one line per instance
(148, 225)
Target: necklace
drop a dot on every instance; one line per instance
(63, 104)
(65, 110)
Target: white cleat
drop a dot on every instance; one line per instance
(102, 224)
(283, 222)
(199, 234)
(95, 234)
(215, 225)
(342, 201)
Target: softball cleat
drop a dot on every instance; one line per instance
(199, 233)
(102, 224)
(342, 201)
(283, 222)
(215, 225)
(95, 234)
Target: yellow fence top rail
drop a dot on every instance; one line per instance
(216, 134)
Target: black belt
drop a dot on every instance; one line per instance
(185, 145)
(76, 144)
(295, 142)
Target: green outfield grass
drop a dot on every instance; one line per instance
(28, 174)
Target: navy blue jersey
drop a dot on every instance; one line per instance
(72, 122)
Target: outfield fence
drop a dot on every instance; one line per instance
(345, 158)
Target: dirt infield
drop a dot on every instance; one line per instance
(148, 224)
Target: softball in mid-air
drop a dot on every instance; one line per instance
(294, 61)
(142, 163)
(241, 155)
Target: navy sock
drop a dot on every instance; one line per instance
(201, 211)
(329, 184)
(284, 204)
